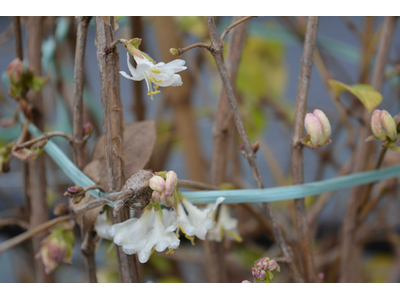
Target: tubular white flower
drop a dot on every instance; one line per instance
(142, 235)
(225, 225)
(155, 75)
(102, 226)
(197, 222)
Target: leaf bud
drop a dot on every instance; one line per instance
(14, 71)
(174, 51)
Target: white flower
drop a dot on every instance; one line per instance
(102, 226)
(197, 222)
(155, 75)
(225, 225)
(142, 235)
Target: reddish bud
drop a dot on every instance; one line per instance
(14, 71)
(73, 190)
(87, 129)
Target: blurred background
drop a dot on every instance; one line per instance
(266, 87)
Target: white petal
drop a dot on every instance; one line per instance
(136, 78)
(131, 68)
(102, 226)
(177, 80)
(177, 65)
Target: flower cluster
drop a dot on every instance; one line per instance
(318, 129)
(262, 270)
(158, 229)
(226, 225)
(155, 75)
(57, 247)
(384, 128)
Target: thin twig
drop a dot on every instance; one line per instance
(201, 45)
(44, 136)
(18, 38)
(227, 29)
(85, 190)
(113, 44)
(297, 148)
(353, 27)
(46, 225)
(14, 222)
(249, 154)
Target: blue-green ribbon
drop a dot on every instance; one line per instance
(232, 196)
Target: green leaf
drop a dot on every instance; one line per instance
(370, 97)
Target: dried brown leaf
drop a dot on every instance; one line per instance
(138, 144)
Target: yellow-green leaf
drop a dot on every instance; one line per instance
(370, 97)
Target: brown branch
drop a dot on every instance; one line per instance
(37, 170)
(249, 154)
(113, 44)
(353, 28)
(297, 148)
(78, 143)
(18, 38)
(48, 224)
(201, 45)
(85, 190)
(227, 29)
(14, 222)
(113, 126)
(138, 106)
(45, 136)
(348, 259)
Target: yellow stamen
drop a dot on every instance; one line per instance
(152, 250)
(171, 251)
(191, 239)
(155, 80)
(235, 236)
(156, 86)
(155, 71)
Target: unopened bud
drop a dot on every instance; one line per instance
(155, 198)
(258, 274)
(167, 200)
(133, 47)
(157, 183)
(376, 125)
(325, 125)
(171, 183)
(87, 129)
(174, 51)
(389, 125)
(262, 263)
(246, 281)
(73, 190)
(273, 265)
(14, 71)
(314, 129)
(255, 147)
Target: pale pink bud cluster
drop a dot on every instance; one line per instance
(262, 269)
(383, 126)
(318, 128)
(164, 190)
(14, 71)
(246, 281)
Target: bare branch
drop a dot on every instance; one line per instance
(297, 148)
(44, 136)
(227, 29)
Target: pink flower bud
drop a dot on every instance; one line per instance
(259, 274)
(73, 190)
(171, 183)
(389, 125)
(57, 248)
(314, 129)
(167, 200)
(376, 125)
(325, 125)
(262, 263)
(273, 265)
(155, 198)
(87, 129)
(14, 71)
(157, 183)
(246, 281)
